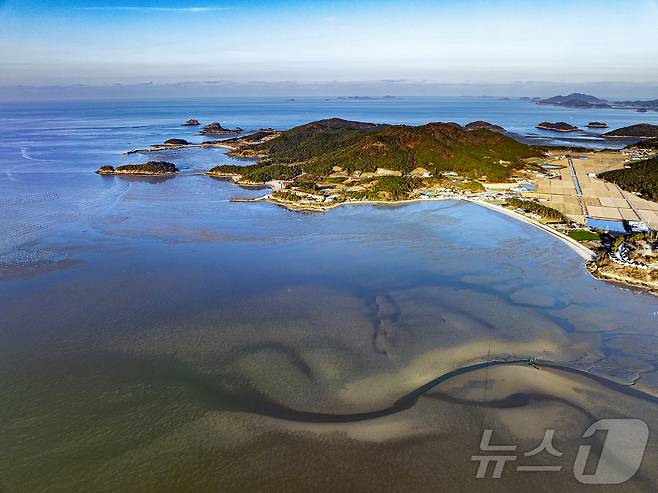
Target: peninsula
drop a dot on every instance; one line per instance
(243, 146)
(640, 131)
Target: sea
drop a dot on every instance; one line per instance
(156, 336)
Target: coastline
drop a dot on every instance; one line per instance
(581, 250)
(315, 196)
(566, 131)
(585, 253)
(612, 277)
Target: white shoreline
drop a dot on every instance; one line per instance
(581, 250)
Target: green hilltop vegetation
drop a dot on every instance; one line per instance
(317, 147)
(384, 188)
(546, 212)
(149, 168)
(645, 144)
(641, 130)
(259, 172)
(388, 188)
(641, 177)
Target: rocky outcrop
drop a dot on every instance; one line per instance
(557, 127)
(176, 142)
(191, 123)
(597, 125)
(149, 168)
(216, 128)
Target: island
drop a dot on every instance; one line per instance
(557, 127)
(480, 124)
(576, 100)
(642, 106)
(191, 123)
(364, 98)
(587, 101)
(333, 161)
(597, 125)
(640, 131)
(215, 128)
(149, 168)
(175, 142)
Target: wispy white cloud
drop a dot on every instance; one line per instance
(174, 10)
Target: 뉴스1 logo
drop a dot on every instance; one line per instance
(620, 459)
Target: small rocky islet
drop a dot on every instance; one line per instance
(148, 168)
(176, 142)
(216, 128)
(557, 126)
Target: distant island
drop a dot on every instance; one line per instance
(191, 123)
(597, 125)
(586, 101)
(480, 124)
(364, 98)
(642, 106)
(641, 130)
(557, 127)
(149, 168)
(576, 100)
(217, 129)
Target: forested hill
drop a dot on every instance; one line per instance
(641, 130)
(641, 177)
(354, 146)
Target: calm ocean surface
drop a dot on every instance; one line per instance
(156, 337)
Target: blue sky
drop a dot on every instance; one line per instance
(500, 42)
